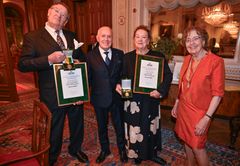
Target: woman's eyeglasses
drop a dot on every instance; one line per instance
(194, 39)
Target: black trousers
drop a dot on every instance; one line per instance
(117, 119)
(76, 128)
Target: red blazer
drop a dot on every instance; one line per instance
(208, 80)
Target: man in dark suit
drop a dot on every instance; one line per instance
(104, 69)
(41, 49)
(93, 42)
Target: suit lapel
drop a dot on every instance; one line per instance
(48, 38)
(70, 44)
(98, 57)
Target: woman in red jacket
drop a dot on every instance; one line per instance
(201, 87)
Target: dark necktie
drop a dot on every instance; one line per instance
(60, 41)
(107, 60)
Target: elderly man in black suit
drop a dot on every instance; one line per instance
(104, 69)
(41, 49)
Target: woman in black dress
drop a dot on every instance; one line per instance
(142, 112)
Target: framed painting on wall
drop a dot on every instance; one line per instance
(166, 31)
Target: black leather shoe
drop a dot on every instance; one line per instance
(82, 157)
(137, 161)
(123, 156)
(159, 160)
(102, 156)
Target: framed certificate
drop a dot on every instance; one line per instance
(71, 85)
(148, 73)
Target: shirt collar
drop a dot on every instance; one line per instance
(51, 30)
(102, 51)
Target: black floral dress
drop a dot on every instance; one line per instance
(142, 114)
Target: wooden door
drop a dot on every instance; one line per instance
(36, 11)
(8, 90)
(90, 15)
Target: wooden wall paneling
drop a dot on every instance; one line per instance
(99, 14)
(71, 23)
(107, 12)
(81, 23)
(93, 17)
(8, 90)
(90, 15)
(230, 104)
(36, 11)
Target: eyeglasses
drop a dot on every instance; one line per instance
(194, 39)
(59, 12)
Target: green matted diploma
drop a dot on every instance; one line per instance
(71, 85)
(148, 73)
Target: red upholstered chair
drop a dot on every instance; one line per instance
(40, 141)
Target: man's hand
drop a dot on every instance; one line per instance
(76, 61)
(155, 94)
(119, 89)
(56, 57)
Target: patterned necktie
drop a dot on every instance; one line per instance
(60, 41)
(107, 60)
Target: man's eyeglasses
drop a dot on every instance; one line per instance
(59, 12)
(194, 39)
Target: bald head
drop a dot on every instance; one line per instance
(104, 37)
(104, 28)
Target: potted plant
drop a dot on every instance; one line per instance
(167, 46)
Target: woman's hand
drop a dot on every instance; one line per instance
(76, 61)
(78, 103)
(155, 94)
(119, 89)
(174, 110)
(202, 125)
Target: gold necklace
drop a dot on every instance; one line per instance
(193, 67)
(191, 70)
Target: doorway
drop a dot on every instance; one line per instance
(14, 18)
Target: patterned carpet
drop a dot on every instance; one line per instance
(15, 131)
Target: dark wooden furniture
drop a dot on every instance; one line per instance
(229, 108)
(40, 140)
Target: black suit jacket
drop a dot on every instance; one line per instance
(103, 80)
(37, 45)
(90, 47)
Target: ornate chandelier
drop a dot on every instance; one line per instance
(217, 14)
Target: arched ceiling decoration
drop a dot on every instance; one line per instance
(157, 5)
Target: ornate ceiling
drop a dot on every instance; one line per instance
(157, 5)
